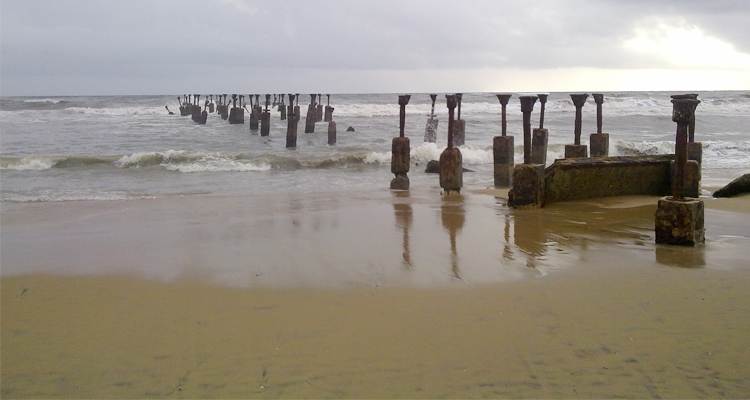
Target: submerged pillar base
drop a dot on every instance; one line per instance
(599, 144)
(679, 222)
(400, 182)
(576, 151)
(695, 151)
(528, 186)
(451, 171)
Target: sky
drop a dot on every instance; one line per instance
(154, 47)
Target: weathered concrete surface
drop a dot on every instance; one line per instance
(576, 151)
(433, 167)
(740, 185)
(528, 186)
(502, 154)
(451, 170)
(583, 178)
(679, 222)
(599, 144)
(692, 185)
(539, 137)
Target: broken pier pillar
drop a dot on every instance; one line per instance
(451, 161)
(328, 117)
(679, 219)
(400, 149)
(540, 136)
(265, 119)
(577, 150)
(528, 178)
(599, 141)
(503, 150)
(430, 130)
(310, 118)
(291, 124)
(459, 125)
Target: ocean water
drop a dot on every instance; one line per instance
(129, 147)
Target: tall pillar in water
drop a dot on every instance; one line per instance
(265, 119)
(528, 178)
(599, 141)
(291, 124)
(319, 109)
(451, 161)
(539, 136)
(225, 109)
(211, 105)
(459, 125)
(577, 150)
(679, 219)
(695, 149)
(195, 110)
(430, 131)
(310, 118)
(328, 117)
(282, 108)
(400, 149)
(503, 149)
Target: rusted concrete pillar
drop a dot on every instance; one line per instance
(459, 125)
(528, 178)
(211, 105)
(282, 108)
(599, 141)
(503, 150)
(224, 108)
(310, 118)
(331, 133)
(319, 109)
(291, 124)
(577, 150)
(679, 220)
(451, 161)
(196, 109)
(236, 114)
(328, 117)
(400, 149)
(265, 118)
(430, 130)
(539, 136)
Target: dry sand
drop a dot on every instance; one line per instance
(374, 294)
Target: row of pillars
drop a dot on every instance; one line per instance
(190, 105)
(679, 218)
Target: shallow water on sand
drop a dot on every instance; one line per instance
(370, 294)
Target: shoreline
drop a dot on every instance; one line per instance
(370, 294)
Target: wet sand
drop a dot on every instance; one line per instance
(374, 294)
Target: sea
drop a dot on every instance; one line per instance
(104, 148)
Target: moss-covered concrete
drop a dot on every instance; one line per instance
(583, 178)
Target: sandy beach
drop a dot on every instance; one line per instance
(370, 294)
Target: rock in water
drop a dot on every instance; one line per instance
(350, 129)
(433, 167)
(738, 186)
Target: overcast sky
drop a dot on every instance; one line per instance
(81, 47)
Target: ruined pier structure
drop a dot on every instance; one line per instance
(259, 116)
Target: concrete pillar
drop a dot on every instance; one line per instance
(236, 114)
(528, 178)
(310, 118)
(291, 125)
(502, 154)
(577, 150)
(328, 116)
(540, 136)
(400, 149)
(211, 105)
(430, 130)
(679, 220)
(319, 109)
(451, 161)
(331, 133)
(503, 149)
(459, 125)
(599, 141)
(254, 114)
(265, 118)
(527, 106)
(196, 109)
(225, 109)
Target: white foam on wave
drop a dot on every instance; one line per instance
(117, 111)
(182, 161)
(212, 164)
(29, 164)
(471, 155)
(53, 196)
(49, 101)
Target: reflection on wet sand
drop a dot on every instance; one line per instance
(404, 217)
(453, 216)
